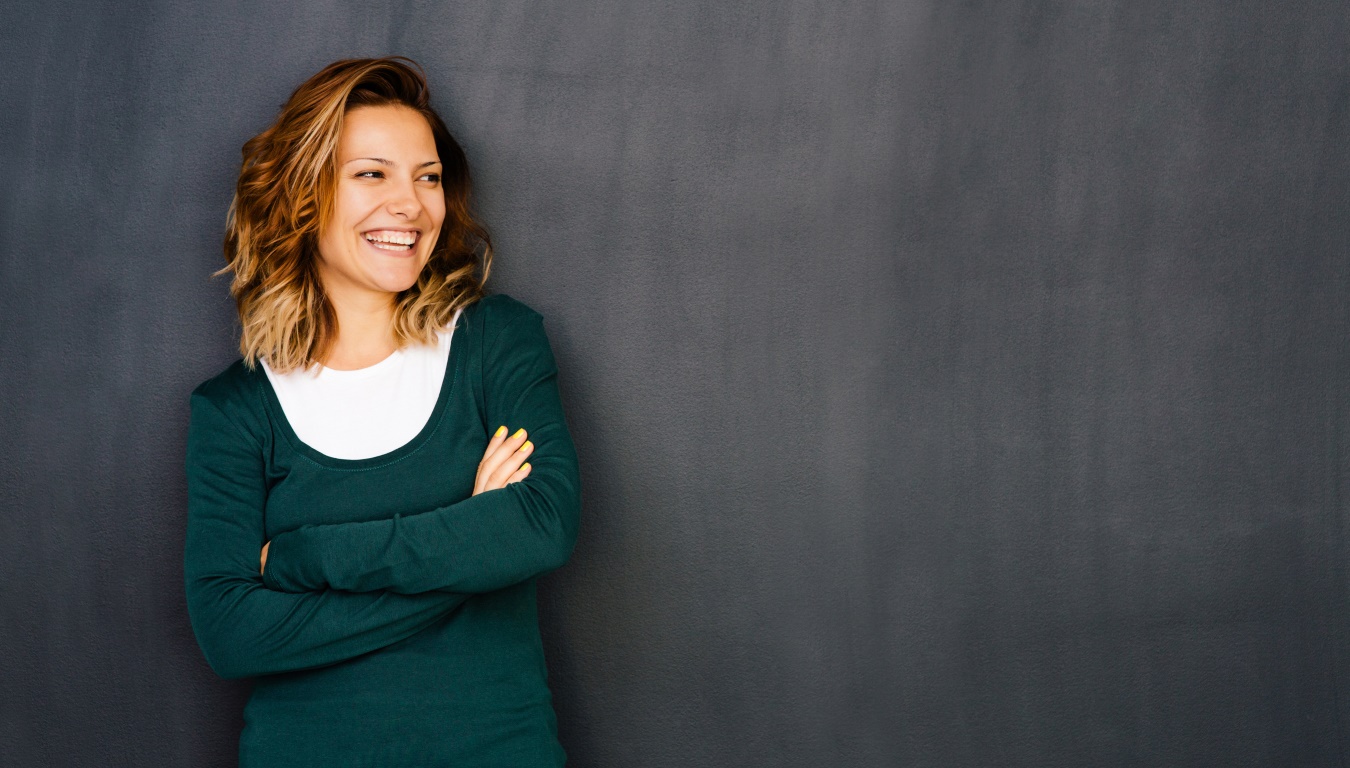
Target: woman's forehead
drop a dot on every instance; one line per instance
(393, 133)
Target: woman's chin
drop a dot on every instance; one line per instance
(397, 286)
(396, 281)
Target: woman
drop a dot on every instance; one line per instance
(366, 511)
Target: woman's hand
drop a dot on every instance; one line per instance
(503, 462)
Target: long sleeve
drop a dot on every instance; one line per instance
(484, 543)
(243, 628)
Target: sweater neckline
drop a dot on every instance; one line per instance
(453, 366)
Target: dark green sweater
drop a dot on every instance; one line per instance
(396, 622)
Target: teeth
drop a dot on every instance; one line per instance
(397, 238)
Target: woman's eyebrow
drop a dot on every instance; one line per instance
(382, 161)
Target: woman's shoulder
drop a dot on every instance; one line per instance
(508, 332)
(497, 312)
(233, 391)
(500, 309)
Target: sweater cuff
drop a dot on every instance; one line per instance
(274, 575)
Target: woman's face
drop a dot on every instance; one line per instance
(389, 205)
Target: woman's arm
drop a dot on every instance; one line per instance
(243, 628)
(483, 543)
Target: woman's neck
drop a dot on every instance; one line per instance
(365, 332)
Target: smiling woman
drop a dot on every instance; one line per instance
(364, 529)
(387, 214)
(333, 149)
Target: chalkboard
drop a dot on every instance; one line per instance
(955, 384)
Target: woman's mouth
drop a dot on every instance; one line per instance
(397, 241)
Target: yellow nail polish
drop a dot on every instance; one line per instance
(528, 446)
(500, 431)
(518, 434)
(525, 466)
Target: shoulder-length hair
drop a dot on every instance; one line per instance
(285, 197)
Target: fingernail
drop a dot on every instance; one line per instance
(500, 431)
(528, 446)
(518, 434)
(525, 466)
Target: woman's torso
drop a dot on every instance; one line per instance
(469, 690)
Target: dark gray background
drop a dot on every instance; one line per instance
(956, 384)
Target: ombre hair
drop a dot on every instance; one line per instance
(285, 197)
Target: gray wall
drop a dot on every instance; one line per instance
(957, 384)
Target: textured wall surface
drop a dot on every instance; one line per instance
(956, 383)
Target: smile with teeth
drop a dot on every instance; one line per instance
(391, 239)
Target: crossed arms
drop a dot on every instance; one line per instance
(333, 592)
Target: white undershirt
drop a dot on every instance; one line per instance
(370, 411)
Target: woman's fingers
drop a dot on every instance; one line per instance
(510, 465)
(493, 444)
(503, 452)
(501, 460)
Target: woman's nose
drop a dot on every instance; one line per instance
(404, 202)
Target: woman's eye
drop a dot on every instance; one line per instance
(370, 175)
(434, 178)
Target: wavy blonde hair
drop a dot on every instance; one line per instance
(285, 197)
